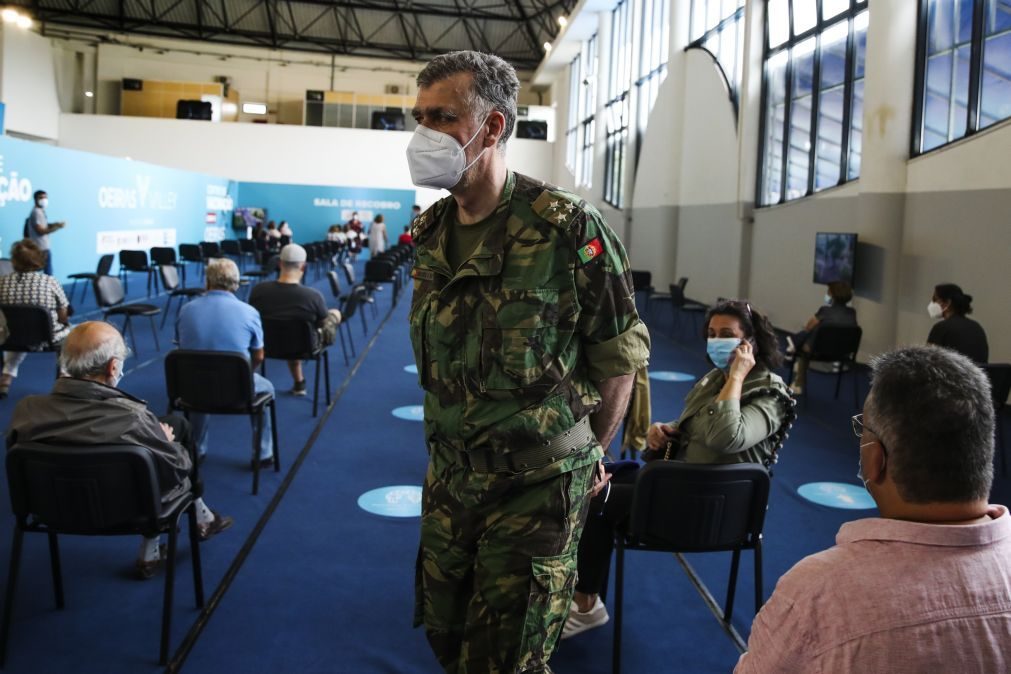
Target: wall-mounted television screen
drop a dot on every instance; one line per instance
(248, 217)
(834, 257)
(388, 120)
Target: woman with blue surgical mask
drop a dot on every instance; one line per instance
(734, 414)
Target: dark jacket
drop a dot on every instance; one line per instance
(84, 412)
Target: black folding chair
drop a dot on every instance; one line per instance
(296, 340)
(269, 268)
(349, 274)
(221, 382)
(681, 507)
(135, 261)
(191, 253)
(682, 305)
(107, 490)
(110, 296)
(1000, 388)
(378, 272)
(170, 281)
(347, 308)
(231, 248)
(642, 282)
(104, 265)
(248, 250)
(211, 249)
(31, 331)
(836, 344)
(162, 256)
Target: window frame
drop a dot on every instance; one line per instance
(619, 102)
(821, 25)
(700, 43)
(977, 51)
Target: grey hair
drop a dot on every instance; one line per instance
(222, 274)
(92, 363)
(495, 84)
(932, 410)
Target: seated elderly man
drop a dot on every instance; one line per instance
(924, 587)
(85, 408)
(287, 299)
(220, 321)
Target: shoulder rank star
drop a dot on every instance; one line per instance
(590, 250)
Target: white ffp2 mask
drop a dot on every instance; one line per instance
(934, 310)
(436, 159)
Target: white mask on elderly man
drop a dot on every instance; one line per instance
(117, 375)
(436, 159)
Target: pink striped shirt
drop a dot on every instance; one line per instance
(893, 596)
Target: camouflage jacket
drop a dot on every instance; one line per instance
(508, 346)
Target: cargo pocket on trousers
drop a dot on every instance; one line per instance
(551, 585)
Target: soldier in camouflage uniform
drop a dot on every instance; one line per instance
(526, 337)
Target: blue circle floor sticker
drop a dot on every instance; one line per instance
(666, 375)
(410, 413)
(412, 368)
(398, 501)
(837, 495)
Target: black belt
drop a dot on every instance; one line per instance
(487, 460)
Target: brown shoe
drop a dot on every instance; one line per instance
(146, 570)
(214, 527)
(5, 385)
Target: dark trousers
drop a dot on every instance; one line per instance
(597, 544)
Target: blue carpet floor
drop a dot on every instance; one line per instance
(314, 584)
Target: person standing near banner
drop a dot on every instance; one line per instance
(38, 228)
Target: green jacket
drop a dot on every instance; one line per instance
(724, 431)
(508, 345)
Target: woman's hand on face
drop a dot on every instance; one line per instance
(743, 360)
(659, 435)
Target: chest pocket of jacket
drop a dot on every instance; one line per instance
(520, 339)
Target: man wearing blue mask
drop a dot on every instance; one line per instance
(527, 339)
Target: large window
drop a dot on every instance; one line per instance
(718, 27)
(572, 128)
(812, 118)
(588, 108)
(618, 108)
(963, 69)
(654, 44)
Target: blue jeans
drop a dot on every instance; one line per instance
(201, 423)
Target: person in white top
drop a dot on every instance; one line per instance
(378, 240)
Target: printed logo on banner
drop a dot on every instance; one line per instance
(214, 233)
(138, 239)
(12, 187)
(218, 198)
(139, 196)
(211, 219)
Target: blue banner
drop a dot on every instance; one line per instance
(108, 204)
(310, 210)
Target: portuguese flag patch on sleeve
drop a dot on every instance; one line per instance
(590, 250)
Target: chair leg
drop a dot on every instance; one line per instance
(128, 325)
(273, 436)
(12, 582)
(315, 391)
(728, 610)
(198, 570)
(344, 347)
(154, 331)
(257, 434)
(365, 328)
(619, 574)
(170, 579)
(351, 342)
(54, 563)
(326, 375)
(164, 316)
(759, 590)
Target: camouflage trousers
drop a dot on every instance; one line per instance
(497, 566)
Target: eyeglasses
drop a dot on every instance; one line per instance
(857, 420)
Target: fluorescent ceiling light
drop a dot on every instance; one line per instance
(10, 15)
(24, 21)
(254, 108)
(89, 94)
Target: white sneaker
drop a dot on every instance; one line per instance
(578, 622)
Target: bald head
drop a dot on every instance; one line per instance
(90, 351)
